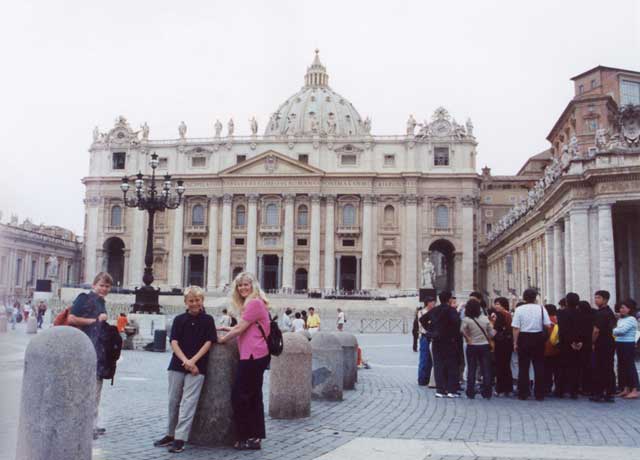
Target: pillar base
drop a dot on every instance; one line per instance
(146, 300)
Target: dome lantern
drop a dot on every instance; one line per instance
(316, 76)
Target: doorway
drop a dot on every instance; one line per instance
(301, 280)
(270, 266)
(195, 274)
(348, 274)
(115, 259)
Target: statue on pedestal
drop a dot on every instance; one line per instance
(254, 126)
(428, 271)
(230, 127)
(182, 129)
(218, 127)
(411, 125)
(52, 271)
(145, 131)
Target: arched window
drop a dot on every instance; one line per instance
(389, 272)
(303, 216)
(241, 216)
(271, 214)
(116, 216)
(197, 215)
(442, 216)
(348, 215)
(389, 215)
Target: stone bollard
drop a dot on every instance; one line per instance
(3, 323)
(32, 325)
(349, 345)
(213, 422)
(290, 379)
(327, 367)
(58, 397)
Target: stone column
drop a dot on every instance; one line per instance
(367, 224)
(329, 244)
(91, 243)
(225, 243)
(606, 252)
(175, 271)
(409, 256)
(358, 273)
(558, 263)
(580, 260)
(260, 273)
(212, 266)
(314, 250)
(288, 243)
(138, 243)
(568, 285)
(467, 244)
(549, 265)
(338, 260)
(252, 233)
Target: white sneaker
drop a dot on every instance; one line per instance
(453, 395)
(441, 395)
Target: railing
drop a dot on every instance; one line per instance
(441, 230)
(196, 229)
(271, 138)
(383, 326)
(348, 229)
(272, 229)
(115, 229)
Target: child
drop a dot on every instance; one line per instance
(192, 335)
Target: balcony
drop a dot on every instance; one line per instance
(348, 230)
(270, 229)
(115, 229)
(196, 230)
(441, 230)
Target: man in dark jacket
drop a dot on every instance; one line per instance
(444, 330)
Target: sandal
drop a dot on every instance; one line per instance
(240, 445)
(253, 444)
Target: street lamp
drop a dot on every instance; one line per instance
(152, 200)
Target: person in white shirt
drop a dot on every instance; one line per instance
(341, 319)
(298, 323)
(530, 324)
(225, 319)
(286, 325)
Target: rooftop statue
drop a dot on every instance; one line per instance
(182, 130)
(230, 127)
(254, 125)
(411, 125)
(218, 128)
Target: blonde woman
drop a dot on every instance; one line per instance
(246, 397)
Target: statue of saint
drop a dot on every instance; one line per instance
(145, 131)
(411, 125)
(254, 125)
(274, 123)
(331, 125)
(469, 127)
(230, 127)
(96, 134)
(367, 125)
(182, 129)
(218, 127)
(428, 270)
(52, 271)
(314, 124)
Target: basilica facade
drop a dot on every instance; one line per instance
(317, 203)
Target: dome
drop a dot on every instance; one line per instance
(317, 110)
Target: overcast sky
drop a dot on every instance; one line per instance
(71, 65)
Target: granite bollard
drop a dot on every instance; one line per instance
(32, 325)
(349, 345)
(58, 397)
(290, 379)
(213, 422)
(327, 367)
(3, 323)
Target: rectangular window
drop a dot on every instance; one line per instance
(348, 160)
(506, 186)
(163, 163)
(239, 241)
(118, 159)
(18, 271)
(32, 278)
(302, 242)
(580, 89)
(441, 156)
(592, 125)
(389, 160)
(3, 269)
(348, 243)
(594, 83)
(303, 158)
(509, 264)
(488, 213)
(69, 271)
(629, 92)
(198, 162)
(196, 241)
(270, 241)
(240, 158)
(489, 228)
(488, 199)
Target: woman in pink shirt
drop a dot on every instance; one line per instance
(246, 396)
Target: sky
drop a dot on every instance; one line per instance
(71, 65)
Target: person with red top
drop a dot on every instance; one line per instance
(246, 396)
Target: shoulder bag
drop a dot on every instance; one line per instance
(492, 345)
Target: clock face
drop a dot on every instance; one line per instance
(441, 128)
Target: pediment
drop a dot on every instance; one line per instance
(271, 163)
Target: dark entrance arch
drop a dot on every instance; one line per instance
(301, 280)
(270, 268)
(348, 281)
(442, 254)
(114, 248)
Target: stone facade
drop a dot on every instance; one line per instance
(317, 203)
(30, 252)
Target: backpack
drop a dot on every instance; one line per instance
(108, 345)
(62, 318)
(275, 342)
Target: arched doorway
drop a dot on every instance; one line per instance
(270, 275)
(236, 272)
(114, 248)
(442, 257)
(301, 280)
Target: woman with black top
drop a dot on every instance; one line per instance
(501, 320)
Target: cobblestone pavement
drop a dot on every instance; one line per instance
(387, 403)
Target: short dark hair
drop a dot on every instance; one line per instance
(444, 296)
(520, 303)
(121, 314)
(551, 309)
(312, 309)
(584, 307)
(502, 301)
(529, 295)
(572, 300)
(631, 305)
(475, 294)
(288, 311)
(298, 315)
(562, 302)
(472, 308)
(224, 310)
(604, 294)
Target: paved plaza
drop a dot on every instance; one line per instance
(387, 416)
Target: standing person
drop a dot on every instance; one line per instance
(477, 331)
(530, 326)
(42, 308)
(87, 311)
(253, 327)
(503, 339)
(313, 321)
(286, 321)
(551, 354)
(625, 333)
(192, 335)
(15, 313)
(225, 319)
(603, 349)
(303, 315)
(585, 330)
(445, 329)
(26, 310)
(571, 343)
(298, 323)
(121, 324)
(424, 359)
(415, 329)
(340, 321)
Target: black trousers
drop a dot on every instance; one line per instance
(445, 365)
(415, 341)
(479, 356)
(552, 378)
(531, 350)
(570, 371)
(246, 398)
(627, 372)
(603, 376)
(502, 354)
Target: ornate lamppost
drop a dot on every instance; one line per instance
(151, 200)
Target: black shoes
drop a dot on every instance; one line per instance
(177, 446)
(164, 442)
(249, 444)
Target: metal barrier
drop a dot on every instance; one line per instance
(383, 326)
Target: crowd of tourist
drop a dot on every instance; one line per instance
(17, 312)
(567, 350)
